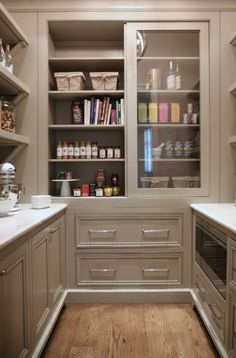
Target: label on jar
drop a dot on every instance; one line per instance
(76, 152)
(99, 191)
(65, 151)
(71, 152)
(77, 192)
(59, 152)
(88, 151)
(178, 148)
(102, 153)
(117, 153)
(82, 152)
(109, 152)
(94, 152)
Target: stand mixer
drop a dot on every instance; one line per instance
(8, 188)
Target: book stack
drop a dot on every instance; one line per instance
(103, 111)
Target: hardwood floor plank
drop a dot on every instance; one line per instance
(129, 331)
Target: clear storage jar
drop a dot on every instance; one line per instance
(8, 119)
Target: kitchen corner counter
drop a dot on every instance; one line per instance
(20, 222)
(223, 214)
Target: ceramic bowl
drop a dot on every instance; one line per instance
(5, 206)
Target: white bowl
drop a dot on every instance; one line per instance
(5, 206)
(156, 152)
(40, 201)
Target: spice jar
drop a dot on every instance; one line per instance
(8, 121)
(76, 192)
(88, 150)
(99, 192)
(100, 177)
(65, 150)
(94, 150)
(108, 190)
(82, 150)
(70, 151)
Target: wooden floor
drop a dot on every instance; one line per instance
(129, 331)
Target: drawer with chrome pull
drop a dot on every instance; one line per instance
(129, 232)
(129, 269)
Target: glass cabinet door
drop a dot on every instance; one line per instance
(167, 101)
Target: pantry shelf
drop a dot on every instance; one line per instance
(12, 139)
(10, 30)
(86, 160)
(74, 127)
(170, 160)
(170, 125)
(180, 58)
(169, 91)
(72, 95)
(11, 85)
(87, 64)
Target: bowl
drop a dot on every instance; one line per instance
(156, 152)
(5, 206)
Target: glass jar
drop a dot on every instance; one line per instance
(100, 178)
(117, 153)
(8, 120)
(82, 150)
(94, 150)
(88, 150)
(109, 152)
(70, 151)
(114, 179)
(102, 153)
(65, 150)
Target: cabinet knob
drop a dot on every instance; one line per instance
(53, 230)
(3, 273)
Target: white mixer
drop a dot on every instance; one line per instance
(9, 191)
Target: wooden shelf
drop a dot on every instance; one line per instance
(12, 139)
(180, 58)
(172, 160)
(169, 125)
(11, 85)
(169, 91)
(87, 64)
(10, 31)
(73, 127)
(232, 89)
(85, 160)
(71, 95)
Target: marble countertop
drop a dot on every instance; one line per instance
(223, 214)
(20, 222)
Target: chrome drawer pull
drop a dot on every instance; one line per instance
(150, 270)
(112, 270)
(215, 310)
(155, 231)
(109, 231)
(3, 273)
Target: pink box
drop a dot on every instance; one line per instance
(163, 112)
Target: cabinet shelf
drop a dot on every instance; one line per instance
(86, 160)
(10, 30)
(169, 91)
(12, 139)
(74, 127)
(170, 125)
(11, 85)
(171, 160)
(71, 95)
(168, 58)
(87, 64)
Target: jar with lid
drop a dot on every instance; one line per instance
(59, 150)
(8, 120)
(100, 178)
(102, 153)
(94, 150)
(114, 179)
(77, 112)
(88, 150)
(109, 152)
(76, 150)
(70, 151)
(65, 151)
(82, 150)
(117, 152)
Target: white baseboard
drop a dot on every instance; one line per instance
(128, 296)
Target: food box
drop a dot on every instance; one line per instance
(104, 80)
(186, 182)
(70, 81)
(154, 182)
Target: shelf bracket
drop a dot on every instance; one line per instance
(19, 97)
(18, 47)
(13, 153)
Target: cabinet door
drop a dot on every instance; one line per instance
(41, 307)
(167, 108)
(14, 305)
(55, 260)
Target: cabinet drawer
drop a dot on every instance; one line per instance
(233, 263)
(164, 269)
(128, 232)
(215, 309)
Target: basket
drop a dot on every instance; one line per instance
(70, 81)
(104, 80)
(186, 182)
(154, 182)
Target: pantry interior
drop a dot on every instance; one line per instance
(140, 146)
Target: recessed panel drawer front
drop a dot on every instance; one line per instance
(233, 261)
(159, 270)
(154, 232)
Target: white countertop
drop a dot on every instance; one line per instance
(223, 214)
(20, 222)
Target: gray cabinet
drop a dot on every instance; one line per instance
(14, 304)
(47, 271)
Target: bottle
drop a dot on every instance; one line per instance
(59, 150)
(76, 150)
(70, 151)
(2, 54)
(177, 78)
(65, 150)
(88, 150)
(94, 150)
(82, 150)
(171, 77)
(8, 59)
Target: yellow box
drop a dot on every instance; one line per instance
(153, 112)
(175, 113)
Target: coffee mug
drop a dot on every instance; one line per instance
(153, 79)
